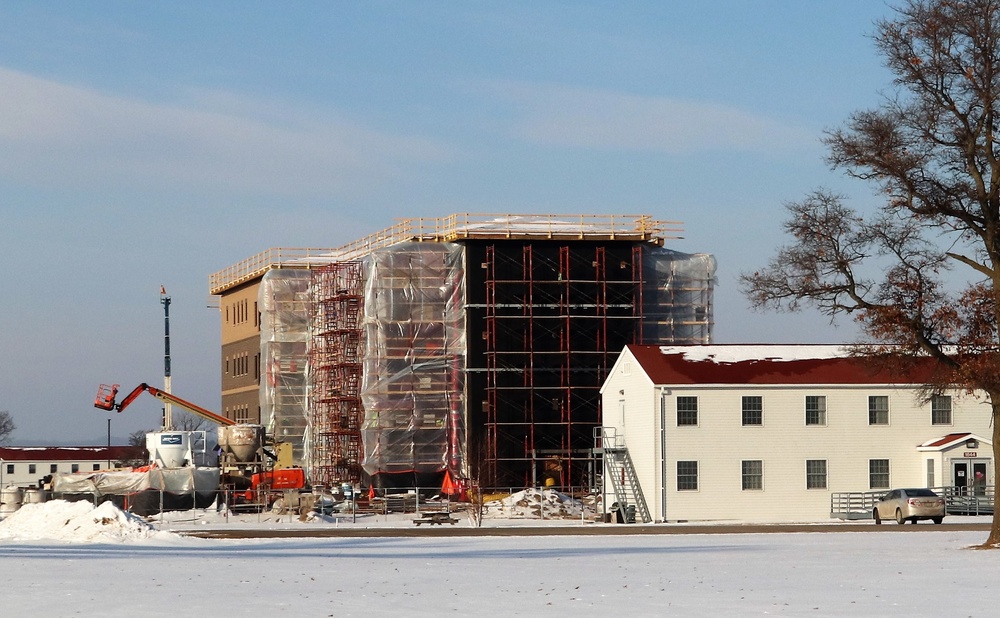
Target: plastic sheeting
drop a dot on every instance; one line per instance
(677, 297)
(413, 359)
(284, 333)
(121, 482)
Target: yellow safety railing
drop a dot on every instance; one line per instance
(453, 227)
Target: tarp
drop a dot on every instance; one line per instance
(120, 482)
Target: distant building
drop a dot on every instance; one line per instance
(24, 466)
(771, 432)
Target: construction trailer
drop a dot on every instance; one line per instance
(475, 344)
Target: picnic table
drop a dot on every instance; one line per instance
(435, 518)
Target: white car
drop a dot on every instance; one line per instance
(909, 505)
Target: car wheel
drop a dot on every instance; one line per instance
(878, 520)
(899, 517)
(937, 520)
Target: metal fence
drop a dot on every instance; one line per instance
(974, 500)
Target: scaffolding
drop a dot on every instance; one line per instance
(473, 343)
(335, 374)
(555, 316)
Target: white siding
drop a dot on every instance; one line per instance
(719, 443)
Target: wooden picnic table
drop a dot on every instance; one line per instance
(435, 518)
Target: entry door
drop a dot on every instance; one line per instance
(960, 477)
(979, 476)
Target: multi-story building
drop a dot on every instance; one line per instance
(473, 343)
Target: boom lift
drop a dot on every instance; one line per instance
(106, 401)
(252, 481)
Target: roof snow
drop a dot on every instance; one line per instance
(742, 353)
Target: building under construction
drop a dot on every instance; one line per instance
(474, 343)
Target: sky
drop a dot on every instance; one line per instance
(149, 144)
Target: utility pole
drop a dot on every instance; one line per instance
(168, 422)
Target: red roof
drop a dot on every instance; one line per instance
(65, 453)
(772, 365)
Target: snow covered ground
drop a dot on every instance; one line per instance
(129, 569)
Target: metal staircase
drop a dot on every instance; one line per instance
(619, 470)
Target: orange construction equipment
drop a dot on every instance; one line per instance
(106, 401)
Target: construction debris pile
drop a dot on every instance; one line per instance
(538, 504)
(76, 522)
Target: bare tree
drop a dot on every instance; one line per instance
(931, 149)
(185, 421)
(137, 455)
(7, 426)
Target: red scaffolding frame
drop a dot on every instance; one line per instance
(335, 364)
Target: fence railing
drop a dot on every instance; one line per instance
(972, 500)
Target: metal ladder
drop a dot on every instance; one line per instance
(619, 469)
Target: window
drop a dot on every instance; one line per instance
(930, 473)
(940, 411)
(97, 467)
(75, 467)
(878, 473)
(31, 468)
(53, 468)
(878, 410)
(815, 410)
(815, 474)
(753, 474)
(687, 411)
(10, 468)
(687, 475)
(753, 411)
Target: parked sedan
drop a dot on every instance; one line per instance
(909, 505)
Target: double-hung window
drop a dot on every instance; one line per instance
(941, 410)
(878, 410)
(815, 474)
(687, 411)
(753, 474)
(753, 410)
(878, 473)
(687, 476)
(815, 410)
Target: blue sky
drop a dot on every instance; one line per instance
(148, 144)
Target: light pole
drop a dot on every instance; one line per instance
(165, 301)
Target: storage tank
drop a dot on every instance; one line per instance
(170, 449)
(10, 500)
(33, 496)
(241, 441)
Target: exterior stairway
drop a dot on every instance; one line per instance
(618, 469)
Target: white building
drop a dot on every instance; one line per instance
(24, 466)
(769, 433)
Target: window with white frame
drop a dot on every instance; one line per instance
(878, 410)
(687, 411)
(941, 410)
(815, 474)
(753, 474)
(753, 410)
(878, 474)
(687, 475)
(930, 473)
(815, 410)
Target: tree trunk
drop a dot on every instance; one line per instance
(994, 539)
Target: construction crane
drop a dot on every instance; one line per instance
(106, 395)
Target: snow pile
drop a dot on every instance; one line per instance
(537, 504)
(75, 522)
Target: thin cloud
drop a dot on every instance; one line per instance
(70, 136)
(598, 119)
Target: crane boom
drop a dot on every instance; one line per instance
(106, 401)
